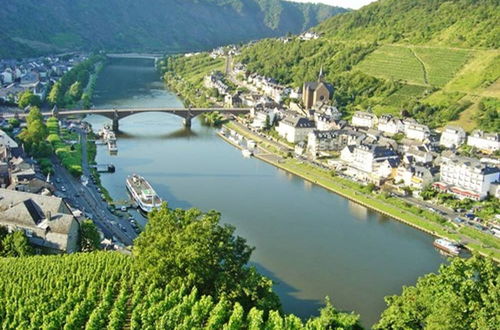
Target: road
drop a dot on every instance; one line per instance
(88, 199)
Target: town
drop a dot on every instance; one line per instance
(445, 171)
(250, 164)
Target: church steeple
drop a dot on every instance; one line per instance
(320, 76)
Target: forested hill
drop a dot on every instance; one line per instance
(153, 25)
(462, 23)
(435, 60)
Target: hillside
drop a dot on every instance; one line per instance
(457, 23)
(187, 271)
(31, 26)
(438, 60)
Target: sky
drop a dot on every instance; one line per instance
(354, 4)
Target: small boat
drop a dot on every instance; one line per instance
(246, 153)
(447, 246)
(112, 146)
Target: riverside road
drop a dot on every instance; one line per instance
(88, 199)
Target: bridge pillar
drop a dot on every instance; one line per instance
(55, 111)
(115, 125)
(187, 122)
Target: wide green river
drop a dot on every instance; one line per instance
(311, 242)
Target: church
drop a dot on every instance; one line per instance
(316, 92)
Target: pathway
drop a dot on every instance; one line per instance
(426, 78)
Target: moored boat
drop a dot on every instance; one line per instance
(246, 153)
(143, 193)
(447, 246)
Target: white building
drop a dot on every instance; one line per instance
(295, 129)
(419, 155)
(318, 141)
(306, 36)
(364, 119)
(467, 177)
(326, 122)
(365, 158)
(390, 125)
(7, 77)
(263, 117)
(417, 177)
(452, 137)
(417, 132)
(486, 142)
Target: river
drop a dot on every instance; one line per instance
(313, 243)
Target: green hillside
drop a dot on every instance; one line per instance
(187, 271)
(31, 26)
(457, 23)
(437, 60)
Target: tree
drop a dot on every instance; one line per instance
(15, 245)
(34, 115)
(193, 248)
(463, 295)
(90, 240)
(75, 91)
(28, 98)
(56, 96)
(14, 122)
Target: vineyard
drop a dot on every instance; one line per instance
(415, 65)
(102, 290)
(393, 62)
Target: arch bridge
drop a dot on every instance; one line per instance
(116, 114)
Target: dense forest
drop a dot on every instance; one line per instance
(31, 26)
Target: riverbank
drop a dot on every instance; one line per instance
(345, 189)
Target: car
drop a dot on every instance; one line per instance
(63, 189)
(123, 208)
(77, 195)
(458, 220)
(58, 180)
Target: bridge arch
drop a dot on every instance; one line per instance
(116, 114)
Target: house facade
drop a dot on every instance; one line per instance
(295, 129)
(486, 142)
(452, 137)
(390, 125)
(417, 132)
(364, 119)
(467, 177)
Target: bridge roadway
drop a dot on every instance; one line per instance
(116, 114)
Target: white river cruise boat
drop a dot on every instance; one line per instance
(447, 246)
(142, 192)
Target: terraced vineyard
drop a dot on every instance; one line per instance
(393, 62)
(415, 65)
(442, 64)
(102, 290)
